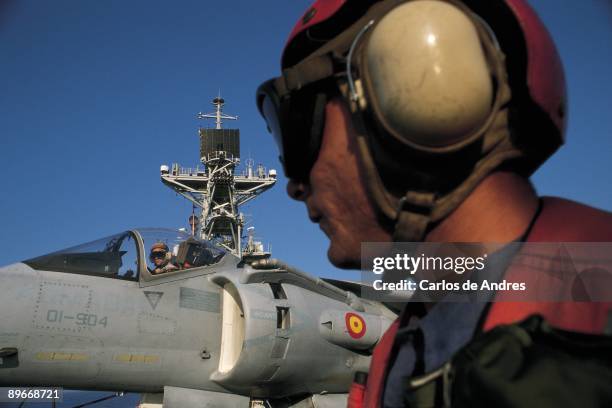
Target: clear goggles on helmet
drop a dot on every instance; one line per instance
(293, 107)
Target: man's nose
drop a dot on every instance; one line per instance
(297, 190)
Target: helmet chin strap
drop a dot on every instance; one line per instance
(411, 214)
(414, 216)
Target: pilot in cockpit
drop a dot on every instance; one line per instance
(161, 258)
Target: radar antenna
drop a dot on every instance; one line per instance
(218, 114)
(215, 188)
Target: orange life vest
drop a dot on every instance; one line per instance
(560, 220)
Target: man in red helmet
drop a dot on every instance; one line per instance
(422, 121)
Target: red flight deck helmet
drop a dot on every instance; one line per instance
(441, 93)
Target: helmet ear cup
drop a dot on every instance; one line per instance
(426, 74)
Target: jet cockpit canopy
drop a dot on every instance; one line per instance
(121, 256)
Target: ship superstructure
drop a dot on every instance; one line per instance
(215, 188)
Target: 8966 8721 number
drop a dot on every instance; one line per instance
(22, 394)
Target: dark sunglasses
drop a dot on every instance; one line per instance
(293, 106)
(296, 121)
(158, 255)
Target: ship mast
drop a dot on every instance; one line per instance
(215, 188)
(218, 115)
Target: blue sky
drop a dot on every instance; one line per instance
(95, 96)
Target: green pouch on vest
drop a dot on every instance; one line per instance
(531, 364)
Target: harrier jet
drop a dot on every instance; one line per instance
(185, 323)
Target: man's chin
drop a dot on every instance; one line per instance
(342, 259)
